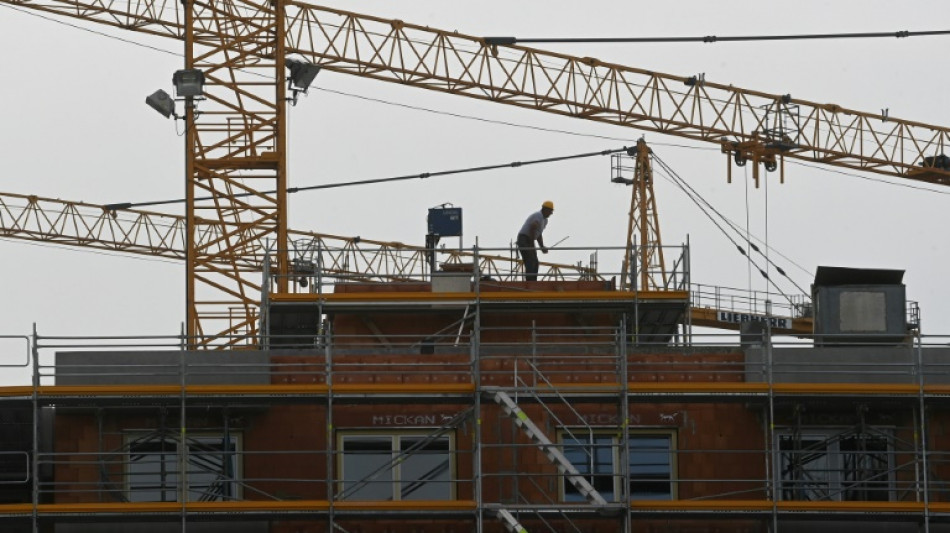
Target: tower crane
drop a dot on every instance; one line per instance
(236, 158)
(162, 235)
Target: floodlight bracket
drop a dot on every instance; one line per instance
(302, 74)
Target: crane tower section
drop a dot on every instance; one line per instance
(643, 266)
(235, 158)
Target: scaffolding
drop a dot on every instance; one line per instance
(515, 406)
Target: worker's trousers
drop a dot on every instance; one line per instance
(529, 254)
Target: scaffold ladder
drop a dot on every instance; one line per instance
(511, 523)
(549, 448)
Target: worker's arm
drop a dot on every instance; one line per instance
(541, 244)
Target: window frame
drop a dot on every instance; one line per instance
(396, 436)
(130, 484)
(836, 488)
(617, 449)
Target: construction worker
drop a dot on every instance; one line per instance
(530, 232)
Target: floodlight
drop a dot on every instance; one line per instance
(941, 161)
(302, 74)
(693, 81)
(189, 82)
(160, 101)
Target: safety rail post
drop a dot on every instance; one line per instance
(100, 430)
(917, 371)
(476, 359)
(319, 283)
(918, 479)
(182, 453)
(36, 430)
(773, 473)
(227, 456)
(330, 441)
(923, 428)
(625, 425)
(766, 439)
(476, 272)
(264, 322)
(687, 281)
(181, 465)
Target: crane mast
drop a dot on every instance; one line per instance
(236, 143)
(644, 248)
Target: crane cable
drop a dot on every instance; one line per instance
(735, 227)
(716, 39)
(706, 208)
(707, 39)
(425, 175)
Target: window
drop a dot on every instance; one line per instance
(211, 472)
(836, 466)
(404, 466)
(598, 455)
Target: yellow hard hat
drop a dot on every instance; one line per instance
(548, 204)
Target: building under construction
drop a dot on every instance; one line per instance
(315, 389)
(462, 401)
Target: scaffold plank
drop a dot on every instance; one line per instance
(245, 506)
(634, 388)
(487, 296)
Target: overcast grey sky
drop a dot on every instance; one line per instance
(75, 127)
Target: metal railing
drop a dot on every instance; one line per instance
(316, 267)
(565, 354)
(573, 379)
(749, 301)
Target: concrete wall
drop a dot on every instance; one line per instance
(871, 364)
(852, 364)
(162, 368)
